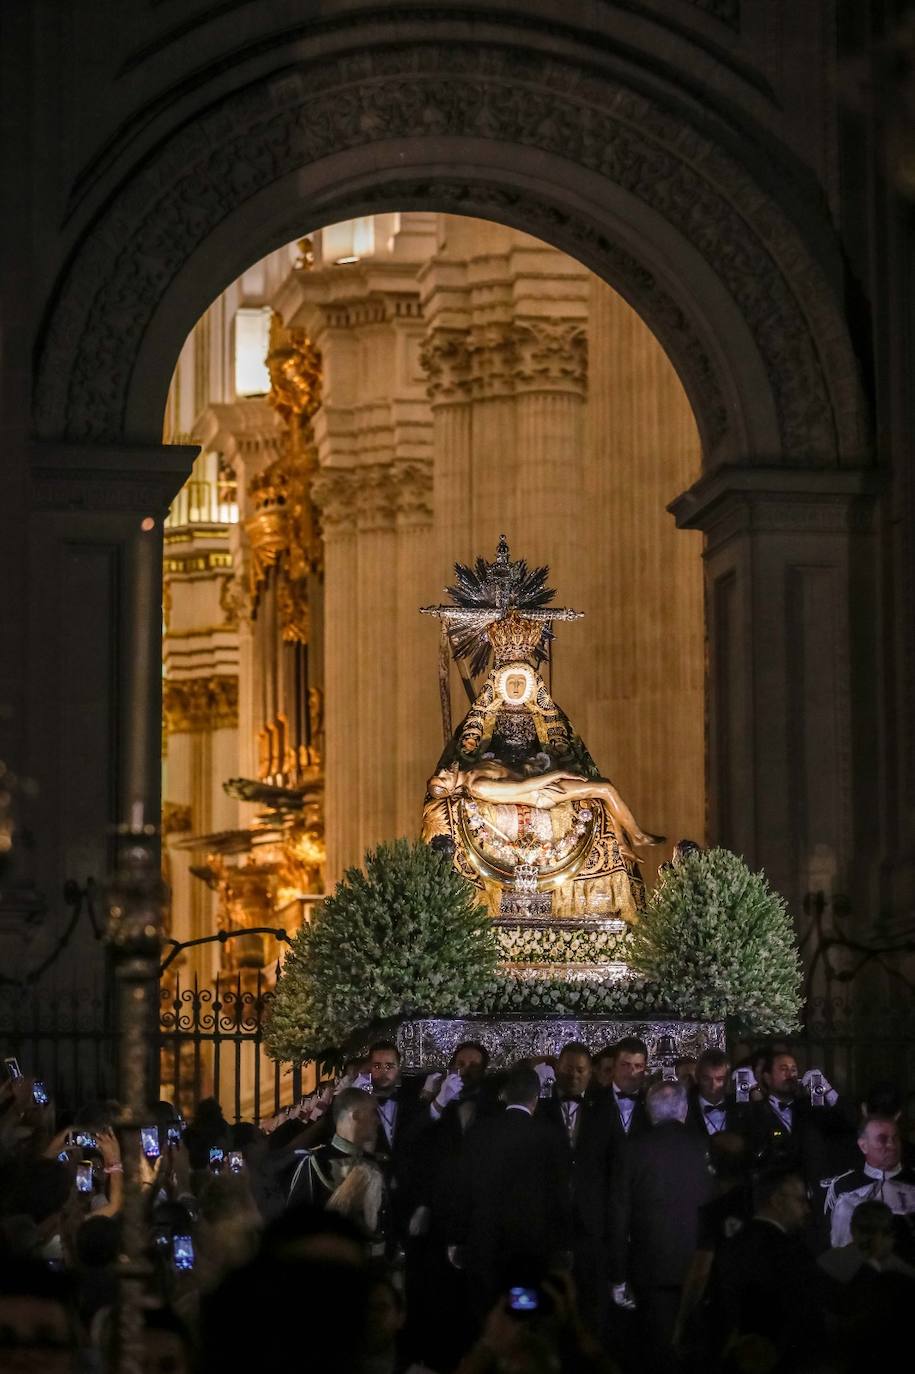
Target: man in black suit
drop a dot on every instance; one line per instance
(403, 1117)
(660, 1182)
(584, 1120)
(625, 1097)
(765, 1282)
(789, 1131)
(514, 1221)
(712, 1108)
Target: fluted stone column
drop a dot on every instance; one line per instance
(550, 372)
(446, 359)
(375, 653)
(645, 722)
(418, 732)
(334, 493)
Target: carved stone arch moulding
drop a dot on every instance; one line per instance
(122, 270)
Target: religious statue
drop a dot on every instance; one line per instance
(516, 795)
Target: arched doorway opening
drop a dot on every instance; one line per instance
(739, 283)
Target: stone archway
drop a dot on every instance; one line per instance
(649, 202)
(639, 190)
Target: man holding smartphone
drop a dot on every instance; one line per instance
(713, 1108)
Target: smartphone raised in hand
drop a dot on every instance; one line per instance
(84, 1176)
(149, 1139)
(183, 1252)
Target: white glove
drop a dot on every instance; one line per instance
(451, 1088)
(432, 1085)
(363, 1081)
(622, 1296)
(830, 1095)
(419, 1222)
(546, 1073)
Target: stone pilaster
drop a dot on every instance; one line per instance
(792, 688)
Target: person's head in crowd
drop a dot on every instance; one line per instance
(384, 1067)
(666, 1101)
(386, 1315)
(712, 1072)
(167, 1347)
(37, 1190)
(98, 1116)
(630, 1064)
(243, 1135)
(227, 1197)
(207, 1129)
(356, 1118)
(603, 1067)
(470, 1060)
(781, 1197)
(779, 1075)
(521, 1088)
(313, 1234)
(729, 1158)
(686, 1070)
(872, 1229)
(335, 1299)
(880, 1143)
(574, 1069)
(37, 1319)
(98, 1242)
(883, 1099)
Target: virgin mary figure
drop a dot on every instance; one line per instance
(532, 821)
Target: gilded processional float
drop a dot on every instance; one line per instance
(526, 816)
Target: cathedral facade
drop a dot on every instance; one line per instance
(639, 280)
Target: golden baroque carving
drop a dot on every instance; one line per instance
(176, 818)
(200, 703)
(294, 365)
(294, 610)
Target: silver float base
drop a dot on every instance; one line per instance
(429, 1044)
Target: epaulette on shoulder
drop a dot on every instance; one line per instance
(833, 1190)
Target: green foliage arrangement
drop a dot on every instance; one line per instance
(720, 943)
(404, 937)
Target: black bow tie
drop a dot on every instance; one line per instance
(627, 1097)
(710, 1107)
(573, 1097)
(783, 1106)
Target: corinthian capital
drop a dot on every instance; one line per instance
(333, 490)
(551, 355)
(445, 358)
(412, 485)
(376, 497)
(492, 360)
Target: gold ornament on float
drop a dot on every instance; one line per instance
(516, 796)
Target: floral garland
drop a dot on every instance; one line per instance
(554, 945)
(509, 994)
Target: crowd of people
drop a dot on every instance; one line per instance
(574, 1212)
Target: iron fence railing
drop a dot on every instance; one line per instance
(211, 1044)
